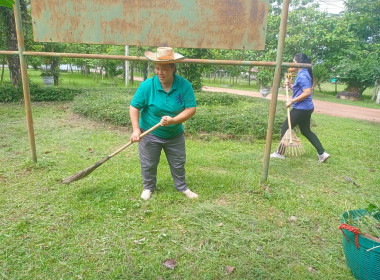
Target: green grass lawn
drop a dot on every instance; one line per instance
(98, 228)
(76, 79)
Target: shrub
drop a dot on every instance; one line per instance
(217, 113)
(42, 93)
(234, 116)
(101, 104)
(8, 93)
(320, 74)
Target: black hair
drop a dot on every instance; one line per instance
(303, 58)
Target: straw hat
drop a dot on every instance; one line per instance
(164, 55)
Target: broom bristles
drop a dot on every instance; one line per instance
(290, 144)
(88, 170)
(83, 173)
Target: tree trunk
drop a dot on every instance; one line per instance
(374, 90)
(354, 89)
(55, 68)
(145, 71)
(132, 78)
(2, 69)
(13, 60)
(96, 72)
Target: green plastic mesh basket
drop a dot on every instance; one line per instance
(362, 253)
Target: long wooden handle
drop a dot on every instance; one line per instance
(287, 100)
(130, 143)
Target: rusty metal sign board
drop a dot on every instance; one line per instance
(218, 24)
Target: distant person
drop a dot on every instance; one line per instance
(303, 107)
(168, 99)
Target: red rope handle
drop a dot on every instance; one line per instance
(354, 230)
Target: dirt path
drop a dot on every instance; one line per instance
(320, 107)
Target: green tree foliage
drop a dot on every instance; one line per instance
(193, 71)
(347, 44)
(114, 67)
(53, 62)
(7, 3)
(359, 71)
(358, 37)
(320, 74)
(265, 77)
(343, 43)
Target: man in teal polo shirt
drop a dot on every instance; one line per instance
(168, 99)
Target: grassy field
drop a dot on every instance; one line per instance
(75, 79)
(98, 228)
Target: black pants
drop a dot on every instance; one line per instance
(302, 119)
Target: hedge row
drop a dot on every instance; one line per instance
(217, 113)
(9, 93)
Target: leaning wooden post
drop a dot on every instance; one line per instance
(275, 86)
(25, 79)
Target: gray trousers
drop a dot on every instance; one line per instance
(150, 149)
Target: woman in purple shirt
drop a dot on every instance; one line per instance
(303, 107)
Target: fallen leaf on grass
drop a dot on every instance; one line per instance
(311, 269)
(170, 263)
(292, 219)
(267, 189)
(203, 241)
(220, 225)
(229, 269)
(140, 241)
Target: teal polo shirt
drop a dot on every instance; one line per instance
(154, 103)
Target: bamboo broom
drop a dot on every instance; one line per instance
(83, 173)
(290, 141)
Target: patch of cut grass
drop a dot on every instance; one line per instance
(98, 228)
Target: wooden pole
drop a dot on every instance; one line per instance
(25, 79)
(126, 66)
(275, 86)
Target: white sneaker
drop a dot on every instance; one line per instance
(323, 157)
(146, 194)
(190, 194)
(277, 155)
